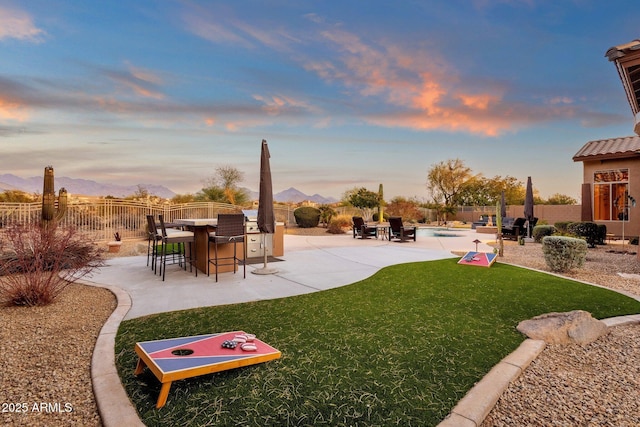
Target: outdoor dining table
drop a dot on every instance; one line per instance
(201, 228)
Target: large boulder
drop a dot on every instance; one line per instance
(576, 326)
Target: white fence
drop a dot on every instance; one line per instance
(101, 219)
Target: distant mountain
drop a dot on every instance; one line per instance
(92, 188)
(81, 186)
(296, 196)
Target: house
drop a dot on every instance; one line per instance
(611, 181)
(627, 60)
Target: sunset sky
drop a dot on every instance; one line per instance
(347, 93)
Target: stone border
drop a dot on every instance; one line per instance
(114, 406)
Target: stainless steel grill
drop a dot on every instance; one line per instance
(255, 244)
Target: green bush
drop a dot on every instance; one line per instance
(588, 230)
(562, 226)
(602, 234)
(540, 231)
(307, 217)
(564, 253)
(385, 217)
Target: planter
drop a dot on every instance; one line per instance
(114, 247)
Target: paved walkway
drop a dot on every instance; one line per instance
(310, 264)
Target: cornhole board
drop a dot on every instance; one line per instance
(186, 357)
(481, 259)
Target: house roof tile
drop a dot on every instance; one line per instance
(612, 148)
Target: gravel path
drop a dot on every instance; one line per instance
(45, 353)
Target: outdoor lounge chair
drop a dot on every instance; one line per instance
(360, 228)
(515, 230)
(398, 231)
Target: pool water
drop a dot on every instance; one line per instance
(437, 232)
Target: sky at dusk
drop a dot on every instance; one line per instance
(347, 93)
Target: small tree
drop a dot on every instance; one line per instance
(363, 199)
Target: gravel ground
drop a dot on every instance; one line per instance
(46, 353)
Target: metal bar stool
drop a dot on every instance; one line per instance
(229, 229)
(179, 238)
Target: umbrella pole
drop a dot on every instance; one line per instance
(265, 269)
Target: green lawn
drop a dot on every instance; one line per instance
(399, 348)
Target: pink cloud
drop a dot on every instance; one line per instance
(10, 110)
(18, 24)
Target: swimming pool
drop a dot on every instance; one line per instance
(437, 232)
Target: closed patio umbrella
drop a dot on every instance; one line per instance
(266, 217)
(503, 205)
(528, 206)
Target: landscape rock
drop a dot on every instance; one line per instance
(576, 326)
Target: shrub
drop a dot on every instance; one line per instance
(37, 263)
(540, 231)
(339, 224)
(602, 234)
(564, 253)
(588, 230)
(307, 217)
(326, 214)
(562, 226)
(385, 216)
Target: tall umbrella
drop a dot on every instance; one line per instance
(528, 205)
(266, 217)
(503, 205)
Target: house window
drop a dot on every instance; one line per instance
(610, 188)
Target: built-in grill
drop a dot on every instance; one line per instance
(255, 247)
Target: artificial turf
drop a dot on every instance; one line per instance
(399, 348)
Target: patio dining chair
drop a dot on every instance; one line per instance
(154, 239)
(360, 228)
(229, 229)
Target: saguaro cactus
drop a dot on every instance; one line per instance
(49, 212)
(380, 205)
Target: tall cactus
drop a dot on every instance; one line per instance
(380, 205)
(49, 212)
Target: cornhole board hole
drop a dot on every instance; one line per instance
(481, 259)
(186, 357)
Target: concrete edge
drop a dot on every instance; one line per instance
(472, 409)
(114, 405)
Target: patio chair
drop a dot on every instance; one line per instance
(229, 229)
(398, 231)
(177, 239)
(515, 230)
(360, 228)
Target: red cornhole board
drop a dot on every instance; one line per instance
(481, 259)
(185, 357)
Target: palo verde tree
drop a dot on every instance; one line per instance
(363, 199)
(223, 187)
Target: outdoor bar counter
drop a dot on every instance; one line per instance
(199, 227)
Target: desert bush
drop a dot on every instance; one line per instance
(588, 230)
(540, 231)
(37, 263)
(564, 253)
(562, 226)
(602, 234)
(326, 214)
(385, 216)
(307, 217)
(339, 224)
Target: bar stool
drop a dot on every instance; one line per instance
(229, 229)
(177, 237)
(154, 238)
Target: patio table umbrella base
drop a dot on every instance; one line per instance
(265, 270)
